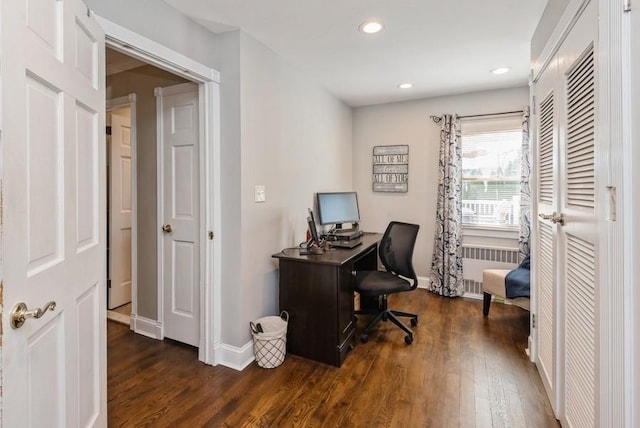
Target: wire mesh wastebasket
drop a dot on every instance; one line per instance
(270, 339)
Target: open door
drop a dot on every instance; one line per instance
(120, 208)
(53, 230)
(179, 210)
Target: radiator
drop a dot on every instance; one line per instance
(476, 258)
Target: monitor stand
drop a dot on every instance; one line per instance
(340, 234)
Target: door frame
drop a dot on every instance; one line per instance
(631, 213)
(208, 80)
(115, 104)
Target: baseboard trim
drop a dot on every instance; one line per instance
(237, 358)
(475, 296)
(234, 357)
(424, 282)
(147, 327)
(118, 317)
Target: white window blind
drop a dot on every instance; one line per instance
(491, 153)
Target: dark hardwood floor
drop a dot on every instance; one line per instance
(462, 370)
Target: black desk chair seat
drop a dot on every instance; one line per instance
(396, 254)
(376, 283)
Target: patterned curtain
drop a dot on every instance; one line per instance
(525, 190)
(446, 266)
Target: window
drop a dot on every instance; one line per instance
(491, 172)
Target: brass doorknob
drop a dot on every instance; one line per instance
(20, 313)
(166, 228)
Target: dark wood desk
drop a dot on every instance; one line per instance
(317, 292)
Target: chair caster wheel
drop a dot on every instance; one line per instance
(408, 339)
(414, 322)
(364, 338)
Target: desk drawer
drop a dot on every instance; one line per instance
(346, 346)
(346, 319)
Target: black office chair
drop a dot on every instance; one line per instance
(396, 253)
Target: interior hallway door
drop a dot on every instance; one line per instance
(53, 215)
(120, 209)
(179, 195)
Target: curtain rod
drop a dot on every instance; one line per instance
(490, 114)
(438, 119)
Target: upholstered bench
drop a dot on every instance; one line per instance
(493, 285)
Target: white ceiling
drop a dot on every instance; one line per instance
(443, 47)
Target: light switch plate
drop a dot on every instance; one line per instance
(259, 194)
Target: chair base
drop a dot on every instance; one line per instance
(383, 314)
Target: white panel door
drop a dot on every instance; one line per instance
(120, 210)
(53, 217)
(180, 211)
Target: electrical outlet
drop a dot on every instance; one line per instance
(259, 194)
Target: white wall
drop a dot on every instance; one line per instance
(156, 20)
(409, 123)
(228, 53)
(548, 21)
(295, 139)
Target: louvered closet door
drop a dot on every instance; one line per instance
(578, 237)
(546, 108)
(567, 237)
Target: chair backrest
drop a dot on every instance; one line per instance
(396, 249)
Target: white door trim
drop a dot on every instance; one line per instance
(137, 46)
(615, 399)
(617, 331)
(631, 213)
(114, 104)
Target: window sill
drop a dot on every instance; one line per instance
(510, 232)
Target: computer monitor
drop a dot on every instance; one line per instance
(311, 221)
(313, 245)
(337, 208)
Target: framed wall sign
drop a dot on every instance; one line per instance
(391, 168)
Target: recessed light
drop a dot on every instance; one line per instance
(405, 85)
(501, 70)
(370, 27)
